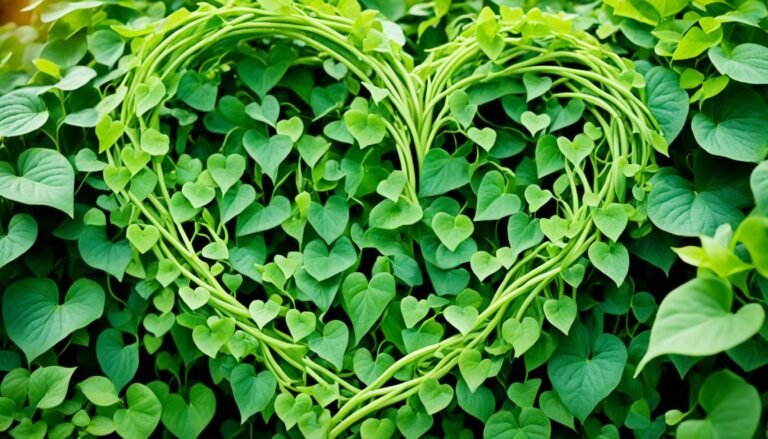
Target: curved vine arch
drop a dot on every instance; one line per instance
(417, 102)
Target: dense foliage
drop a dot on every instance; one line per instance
(300, 218)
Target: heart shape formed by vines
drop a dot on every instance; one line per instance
(311, 273)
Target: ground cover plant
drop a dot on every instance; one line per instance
(384, 219)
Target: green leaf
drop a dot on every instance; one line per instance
(106, 46)
(461, 109)
(257, 218)
(493, 203)
(391, 215)
(695, 42)
(367, 128)
(269, 152)
(412, 423)
(452, 230)
(329, 221)
(149, 95)
(462, 318)
(584, 372)
(290, 409)
(486, 137)
(561, 313)
(197, 92)
(747, 63)
(611, 259)
(484, 264)
(142, 238)
(535, 122)
(48, 386)
(142, 414)
(213, 335)
(252, 391)
(19, 238)
(441, 173)
(262, 75)
(435, 396)
(578, 149)
(103, 254)
(611, 220)
(732, 126)
(226, 171)
(300, 324)
(36, 320)
(732, 405)
(332, 344)
(676, 207)
(21, 112)
(667, 101)
(119, 361)
(45, 179)
(696, 319)
(474, 368)
(263, 312)
(549, 159)
(532, 423)
(535, 85)
(322, 263)
(364, 301)
(188, 420)
(100, 391)
(377, 429)
(522, 335)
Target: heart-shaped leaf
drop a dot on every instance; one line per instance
(474, 368)
(493, 203)
(142, 238)
(36, 320)
(118, 360)
(226, 171)
(486, 137)
(269, 152)
(142, 414)
(300, 324)
(323, 264)
(366, 301)
(413, 310)
(252, 391)
(198, 194)
(583, 373)
(611, 220)
(696, 319)
(534, 122)
(452, 230)
(329, 221)
(195, 298)
(536, 85)
(290, 409)
(393, 186)
(257, 218)
(263, 312)
(576, 150)
(611, 259)
(188, 420)
(461, 109)
(332, 344)
(522, 335)
(435, 396)
(462, 318)
(45, 178)
(211, 337)
(292, 128)
(561, 313)
(20, 235)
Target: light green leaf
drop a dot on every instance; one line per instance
(45, 178)
(696, 319)
(531, 424)
(100, 391)
(188, 420)
(48, 386)
(21, 112)
(747, 63)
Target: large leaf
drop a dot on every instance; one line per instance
(667, 101)
(746, 62)
(584, 372)
(45, 178)
(732, 406)
(696, 319)
(733, 126)
(21, 112)
(36, 319)
(677, 208)
(365, 301)
(142, 414)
